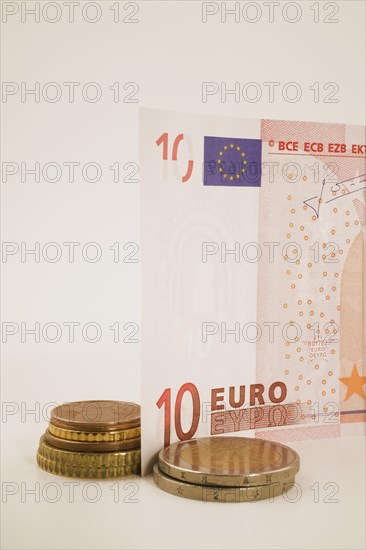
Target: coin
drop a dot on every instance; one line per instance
(207, 493)
(96, 416)
(85, 446)
(81, 471)
(116, 435)
(229, 461)
(88, 460)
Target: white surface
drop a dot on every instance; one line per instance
(160, 520)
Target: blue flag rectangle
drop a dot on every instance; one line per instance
(232, 162)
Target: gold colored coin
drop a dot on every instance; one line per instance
(81, 471)
(88, 460)
(229, 461)
(97, 437)
(86, 446)
(207, 493)
(96, 416)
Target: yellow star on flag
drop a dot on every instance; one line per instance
(354, 383)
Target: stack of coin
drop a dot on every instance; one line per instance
(92, 439)
(226, 469)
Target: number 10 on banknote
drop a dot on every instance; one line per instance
(252, 279)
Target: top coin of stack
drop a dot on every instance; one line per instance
(92, 439)
(226, 469)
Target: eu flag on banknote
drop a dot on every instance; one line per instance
(232, 162)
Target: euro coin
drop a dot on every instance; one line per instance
(207, 493)
(97, 437)
(86, 472)
(88, 459)
(86, 446)
(96, 416)
(229, 461)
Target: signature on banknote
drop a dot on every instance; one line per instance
(331, 191)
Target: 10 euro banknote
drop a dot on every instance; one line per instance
(252, 278)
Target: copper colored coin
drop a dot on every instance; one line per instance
(93, 416)
(92, 447)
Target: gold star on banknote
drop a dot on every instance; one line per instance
(354, 383)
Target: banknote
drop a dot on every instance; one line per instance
(252, 235)
(317, 201)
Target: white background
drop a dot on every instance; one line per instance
(169, 52)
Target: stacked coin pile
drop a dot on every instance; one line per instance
(226, 469)
(92, 439)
